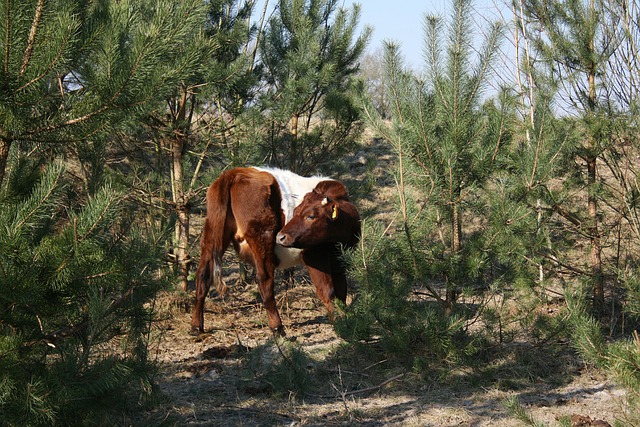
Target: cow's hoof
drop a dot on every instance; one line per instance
(196, 331)
(279, 332)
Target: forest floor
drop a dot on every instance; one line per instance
(237, 374)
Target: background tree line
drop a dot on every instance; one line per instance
(116, 115)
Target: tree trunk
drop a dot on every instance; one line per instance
(180, 198)
(597, 277)
(5, 145)
(293, 152)
(182, 239)
(456, 231)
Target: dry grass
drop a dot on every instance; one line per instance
(225, 377)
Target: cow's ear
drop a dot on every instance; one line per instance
(334, 212)
(325, 201)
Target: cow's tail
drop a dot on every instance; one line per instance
(213, 234)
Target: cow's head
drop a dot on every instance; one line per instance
(325, 216)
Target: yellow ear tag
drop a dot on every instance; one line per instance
(334, 214)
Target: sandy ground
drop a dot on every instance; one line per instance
(225, 377)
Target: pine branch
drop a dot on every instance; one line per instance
(106, 198)
(47, 70)
(41, 197)
(563, 212)
(7, 36)
(362, 390)
(71, 330)
(32, 36)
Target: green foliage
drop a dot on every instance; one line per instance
(310, 58)
(520, 413)
(631, 283)
(76, 272)
(388, 310)
(92, 64)
(460, 229)
(466, 224)
(574, 46)
(74, 283)
(619, 358)
(230, 73)
(448, 144)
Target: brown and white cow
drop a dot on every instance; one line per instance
(249, 207)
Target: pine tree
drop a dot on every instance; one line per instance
(196, 119)
(74, 319)
(461, 143)
(448, 145)
(585, 46)
(310, 58)
(76, 273)
(73, 70)
(576, 56)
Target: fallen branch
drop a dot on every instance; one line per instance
(260, 411)
(362, 390)
(341, 371)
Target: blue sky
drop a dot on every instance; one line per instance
(402, 20)
(399, 21)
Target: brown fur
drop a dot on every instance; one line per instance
(243, 205)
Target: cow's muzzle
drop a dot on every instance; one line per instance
(284, 239)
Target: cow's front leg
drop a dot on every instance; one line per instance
(318, 263)
(338, 274)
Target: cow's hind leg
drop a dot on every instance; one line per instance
(265, 277)
(258, 222)
(209, 273)
(203, 284)
(261, 250)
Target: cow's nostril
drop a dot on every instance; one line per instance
(281, 238)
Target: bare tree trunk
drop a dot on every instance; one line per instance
(520, 26)
(180, 198)
(597, 277)
(182, 223)
(594, 233)
(293, 152)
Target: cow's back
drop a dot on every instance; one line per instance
(293, 187)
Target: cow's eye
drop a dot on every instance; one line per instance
(311, 217)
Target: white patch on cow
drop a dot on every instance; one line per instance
(293, 187)
(288, 257)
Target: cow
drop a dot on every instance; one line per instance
(276, 219)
